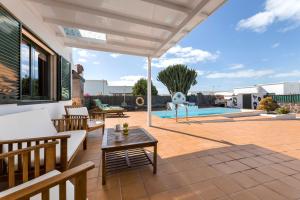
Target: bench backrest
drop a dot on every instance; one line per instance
(30, 124)
(77, 110)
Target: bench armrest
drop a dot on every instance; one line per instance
(36, 139)
(79, 174)
(76, 122)
(23, 161)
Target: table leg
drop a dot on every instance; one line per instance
(103, 168)
(155, 159)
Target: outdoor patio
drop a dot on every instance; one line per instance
(206, 158)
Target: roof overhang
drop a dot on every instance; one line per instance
(134, 27)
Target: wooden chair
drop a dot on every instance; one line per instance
(95, 120)
(35, 127)
(46, 182)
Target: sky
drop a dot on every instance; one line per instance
(242, 44)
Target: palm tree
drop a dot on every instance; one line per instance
(178, 78)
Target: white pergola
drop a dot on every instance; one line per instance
(145, 28)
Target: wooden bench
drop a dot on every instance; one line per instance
(45, 182)
(25, 129)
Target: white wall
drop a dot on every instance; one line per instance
(35, 23)
(119, 89)
(56, 109)
(274, 88)
(246, 90)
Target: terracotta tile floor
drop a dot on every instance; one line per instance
(206, 158)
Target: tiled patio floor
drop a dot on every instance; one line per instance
(207, 158)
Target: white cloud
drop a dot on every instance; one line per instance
(274, 11)
(275, 45)
(115, 55)
(250, 73)
(184, 55)
(200, 72)
(236, 66)
(96, 62)
(294, 73)
(82, 60)
(129, 80)
(83, 53)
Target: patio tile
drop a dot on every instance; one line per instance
(284, 169)
(263, 192)
(291, 181)
(258, 176)
(283, 189)
(271, 172)
(184, 193)
(244, 180)
(112, 194)
(224, 168)
(207, 190)
(236, 165)
(244, 195)
(250, 162)
(133, 191)
(227, 185)
(210, 160)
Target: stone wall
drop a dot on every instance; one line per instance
(294, 107)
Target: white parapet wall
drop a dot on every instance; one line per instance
(55, 109)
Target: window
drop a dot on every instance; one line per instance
(35, 71)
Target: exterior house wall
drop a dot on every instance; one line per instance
(35, 24)
(247, 90)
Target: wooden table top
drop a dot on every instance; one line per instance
(137, 137)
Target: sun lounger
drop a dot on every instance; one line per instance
(108, 109)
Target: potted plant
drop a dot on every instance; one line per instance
(125, 128)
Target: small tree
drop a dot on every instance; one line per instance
(267, 104)
(140, 88)
(178, 78)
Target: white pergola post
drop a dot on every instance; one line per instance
(149, 94)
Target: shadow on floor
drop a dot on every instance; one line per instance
(192, 135)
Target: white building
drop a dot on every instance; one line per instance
(101, 87)
(249, 97)
(284, 88)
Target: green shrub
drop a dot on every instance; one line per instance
(282, 110)
(267, 104)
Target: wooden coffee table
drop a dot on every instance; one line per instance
(127, 153)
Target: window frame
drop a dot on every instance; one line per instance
(33, 46)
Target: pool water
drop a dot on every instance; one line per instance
(194, 111)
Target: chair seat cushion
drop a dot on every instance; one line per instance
(54, 192)
(74, 142)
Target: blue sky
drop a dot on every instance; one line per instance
(243, 43)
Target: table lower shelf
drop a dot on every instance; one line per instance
(118, 160)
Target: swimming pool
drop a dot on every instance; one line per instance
(194, 111)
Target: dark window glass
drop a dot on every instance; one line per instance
(34, 71)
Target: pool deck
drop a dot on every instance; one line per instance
(206, 158)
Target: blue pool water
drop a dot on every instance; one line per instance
(194, 111)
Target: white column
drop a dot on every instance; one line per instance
(149, 95)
